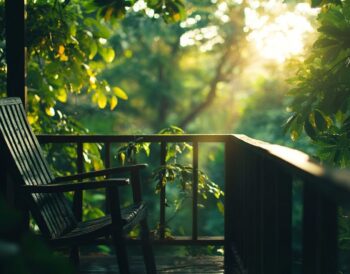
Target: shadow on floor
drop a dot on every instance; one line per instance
(198, 264)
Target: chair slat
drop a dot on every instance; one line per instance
(131, 215)
(18, 154)
(53, 210)
(64, 207)
(36, 144)
(10, 144)
(56, 207)
(66, 219)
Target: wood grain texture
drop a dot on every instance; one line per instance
(51, 210)
(178, 265)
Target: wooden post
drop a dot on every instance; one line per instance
(163, 152)
(320, 232)
(15, 59)
(78, 202)
(2, 170)
(253, 240)
(268, 211)
(195, 192)
(15, 48)
(231, 173)
(283, 186)
(107, 162)
(276, 210)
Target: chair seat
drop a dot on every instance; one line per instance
(51, 210)
(92, 229)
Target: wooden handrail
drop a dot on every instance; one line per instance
(107, 140)
(332, 182)
(258, 201)
(153, 138)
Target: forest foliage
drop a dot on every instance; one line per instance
(320, 90)
(141, 66)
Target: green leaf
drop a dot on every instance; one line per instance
(97, 28)
(331, 54)
(50, 111)
(93, 50)
(108, 54)
(153, 4)
(103, 31)
(90, 22)
(146, 148)
(310, 130)
(113, 102)
(315, 3)
(121, 158)
(320, 120)
(62, 95)
(73, 29)
(104, 249)
(325, 42)
(331, 30)
(120, 93)
(101, 100)
(221, 207)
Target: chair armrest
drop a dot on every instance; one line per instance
(73, 186)
(99, 173)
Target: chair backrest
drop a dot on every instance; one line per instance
(52, 212)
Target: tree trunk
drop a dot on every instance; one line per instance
(219, 75)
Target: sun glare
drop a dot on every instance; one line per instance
(282, 36)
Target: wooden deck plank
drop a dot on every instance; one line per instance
(175, 265)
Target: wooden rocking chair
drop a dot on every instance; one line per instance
(51, 210)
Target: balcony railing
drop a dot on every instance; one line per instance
(258, 201)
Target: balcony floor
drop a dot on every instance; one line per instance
(198, 264)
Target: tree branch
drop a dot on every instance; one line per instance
(219, 73)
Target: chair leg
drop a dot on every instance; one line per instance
(147, 248)
(121, 252)
(74, 255)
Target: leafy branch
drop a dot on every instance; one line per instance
(172, 171)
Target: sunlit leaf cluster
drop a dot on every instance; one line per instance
(321, 88)
(127, 153)
(173, 172)
(67, 48)
(169, 10)
(183, 174)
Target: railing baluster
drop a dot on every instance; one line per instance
(107, 162)
(107, 154)
(251, 198)
(163, 152)
(319, 232)
(231, 206)
(269, 223)
(250, 222)
(283, 185)
(256, 200)
(195, 192)
(78, 201)
(246, 207)
(78, 195)
(276, 219)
